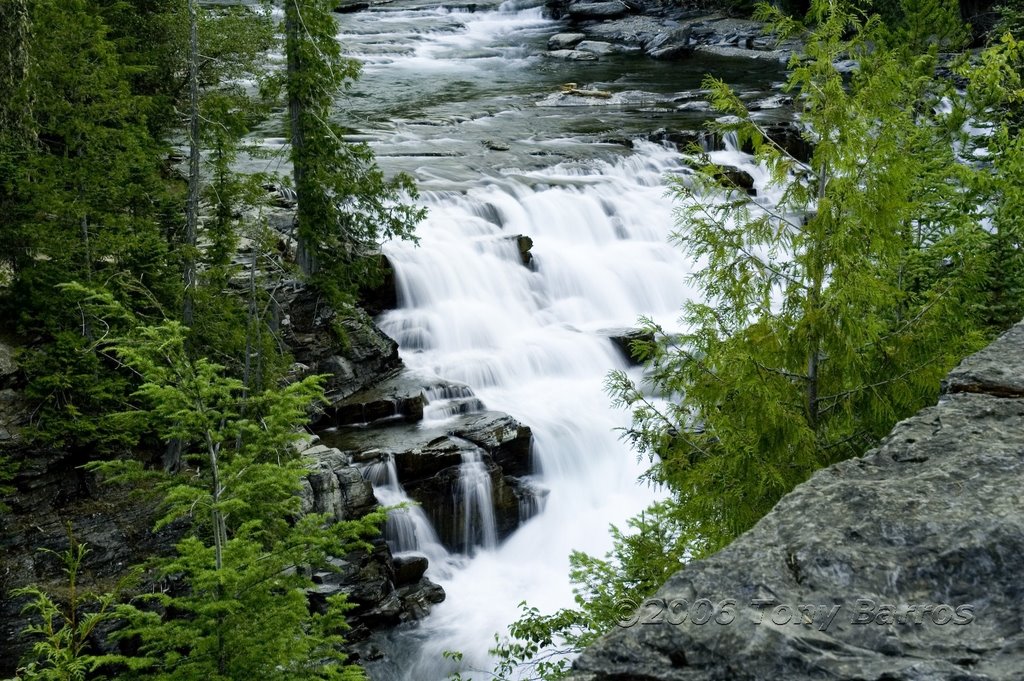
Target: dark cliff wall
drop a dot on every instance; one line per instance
(903, 564)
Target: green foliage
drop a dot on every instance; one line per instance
(65, 628)
(827, 317)
(8, 469)
(346, 205)
(87, 202)
(930, 24)
(995, 93)
(1011, 20)
(71, 379)
(248, 619)
(239, 609)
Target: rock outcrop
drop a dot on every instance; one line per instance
(428, 459)
(901, 565)
(661, 31)
(384, 590)
(53, 491)
(52, 494)
(13, 410)
(347, 347)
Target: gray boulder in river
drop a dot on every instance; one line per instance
(904, 564)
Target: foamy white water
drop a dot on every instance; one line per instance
(529, 342)
(463, 101)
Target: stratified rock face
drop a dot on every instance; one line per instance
(349, 348)
(429, 459)
(13, 409)
(8, 367)
(384, 591)
(52, 493)
(900, 565)
(335, 488)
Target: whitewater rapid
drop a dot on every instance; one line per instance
(464, 102)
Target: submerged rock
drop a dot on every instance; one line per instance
(624, 339)
(900, 565)
(735, 178)
(351, 7)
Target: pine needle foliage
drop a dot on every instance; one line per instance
(346, 205)
(237, 605)
(65, 627)
(828, 316)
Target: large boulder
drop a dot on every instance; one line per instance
(333, 487)
(455, 517)
(901, 565)
(422, 450)
(565, 41)
(368, 580)
(403, 396)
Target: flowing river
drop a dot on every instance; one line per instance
(467, 103)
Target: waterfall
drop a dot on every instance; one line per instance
(475, 503)
(408, 530)
(531, 341)
(462, 100)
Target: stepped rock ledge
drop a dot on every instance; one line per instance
(901, 565)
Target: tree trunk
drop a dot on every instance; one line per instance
(220, 533)
(292, 24)
(192, 205)
(814, 305)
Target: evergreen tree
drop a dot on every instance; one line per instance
(828, 316)
(239, 608)
(346, 206)
(64, 629)
(90, 203)
(994, 95)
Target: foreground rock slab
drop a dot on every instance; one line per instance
(901, 565)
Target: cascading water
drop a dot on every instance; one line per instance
(532, 342)
(477, 507)
(473, 112)
(407, 528)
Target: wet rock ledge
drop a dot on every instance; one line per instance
(902, 565)
(385, 423)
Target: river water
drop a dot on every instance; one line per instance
(466, 102)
